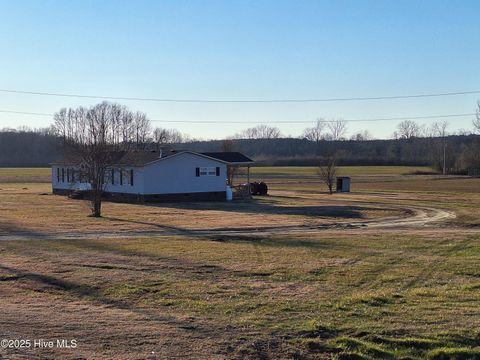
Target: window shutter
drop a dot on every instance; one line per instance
(197, 171)
(131, 177)
(218, 171)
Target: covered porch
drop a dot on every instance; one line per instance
(238, 167)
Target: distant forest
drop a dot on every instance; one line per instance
(27, 148)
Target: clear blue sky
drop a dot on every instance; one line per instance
(242, 50)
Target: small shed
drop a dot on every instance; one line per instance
(343, 184)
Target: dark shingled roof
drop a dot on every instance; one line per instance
(140, 158)
(132, 158)
(230, 157)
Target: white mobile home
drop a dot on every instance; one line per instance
(153, 176)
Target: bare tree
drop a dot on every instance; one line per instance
(408, 129)
(337, 128)
(92, 138)
(260, 132)
(142, 128)
(315, 133)
(160, 136)
(176, 137)
(364, 135)
(463, 132)
(328, 163)
(476, 121)
(429, 131)
(167, 136)
(328, 170)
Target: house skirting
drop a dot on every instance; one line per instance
(62, 191)
(139, 198)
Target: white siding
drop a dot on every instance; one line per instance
(63, 182)
(177, 175)
(126, 187)
(137, 187)
(172, 175)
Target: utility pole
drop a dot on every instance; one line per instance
(444, 132)
(441, 130)
(444, 154)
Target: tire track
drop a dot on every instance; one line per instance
(422, 217)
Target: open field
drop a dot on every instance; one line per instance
(12, 175)
(343, 170)
(275, 278)
(22, 175)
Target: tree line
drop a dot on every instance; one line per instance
(411, 143)
(90, 139)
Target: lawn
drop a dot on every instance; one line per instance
(21, 175)
(314, 296)
(407, 293)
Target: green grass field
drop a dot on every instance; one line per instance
(24, 175)
(43, 174)
(343, 170)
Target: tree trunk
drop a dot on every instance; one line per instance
(97, 204)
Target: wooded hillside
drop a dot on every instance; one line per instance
(39, 148)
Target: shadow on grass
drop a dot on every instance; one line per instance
(94, 294)
(174, 229)
(258, 207)
(255, 208)
(268, 241)
(8, 228)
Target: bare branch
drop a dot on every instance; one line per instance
(92, 136)
(260, 132)
(408, 129)
(338, 129)
(315, 133)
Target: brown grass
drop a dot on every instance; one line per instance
(400, 293)
(31, 208)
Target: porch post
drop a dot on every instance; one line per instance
(248, 181)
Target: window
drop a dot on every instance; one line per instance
(125, 176)
(72, 175)
(63, 174)
(58, 174)
(208, 171)
(113, 176)
(212, 171)
(83, 175)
